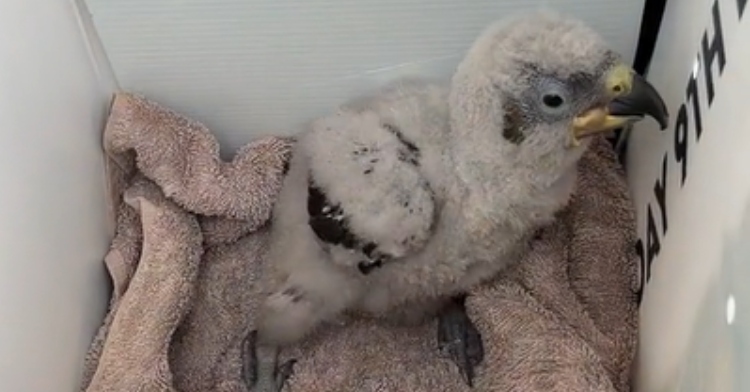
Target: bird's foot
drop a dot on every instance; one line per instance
(459, 340)
(260, 369)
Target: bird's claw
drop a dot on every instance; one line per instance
(283, 372)
(250, 369)
(459, 340)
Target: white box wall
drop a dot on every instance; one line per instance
(694, 316)
(54, 92)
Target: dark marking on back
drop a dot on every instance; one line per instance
(331, 225)
(411, 154)
(327, 220)
(397, 132)
(366, 267)
(369, 249)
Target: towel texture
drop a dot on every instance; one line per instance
(191, 235)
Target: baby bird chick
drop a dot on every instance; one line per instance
(401, 201)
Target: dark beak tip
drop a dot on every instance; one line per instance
(663, 118)
(649, 92)
(643, 100)
(664, 123)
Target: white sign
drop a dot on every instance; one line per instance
(691, 184)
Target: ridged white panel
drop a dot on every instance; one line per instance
(246, 67)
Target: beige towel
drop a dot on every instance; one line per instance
(191, 234)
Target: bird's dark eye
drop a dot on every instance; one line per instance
(553, 98)
(553, 101)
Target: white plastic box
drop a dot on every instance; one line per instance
(56, 84)
(691, 185)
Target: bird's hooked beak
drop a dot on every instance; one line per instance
(633, 97)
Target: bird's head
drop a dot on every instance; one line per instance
(537, 86)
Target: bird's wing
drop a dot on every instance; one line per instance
(366, 193)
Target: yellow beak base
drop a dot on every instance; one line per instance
(619, 82)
